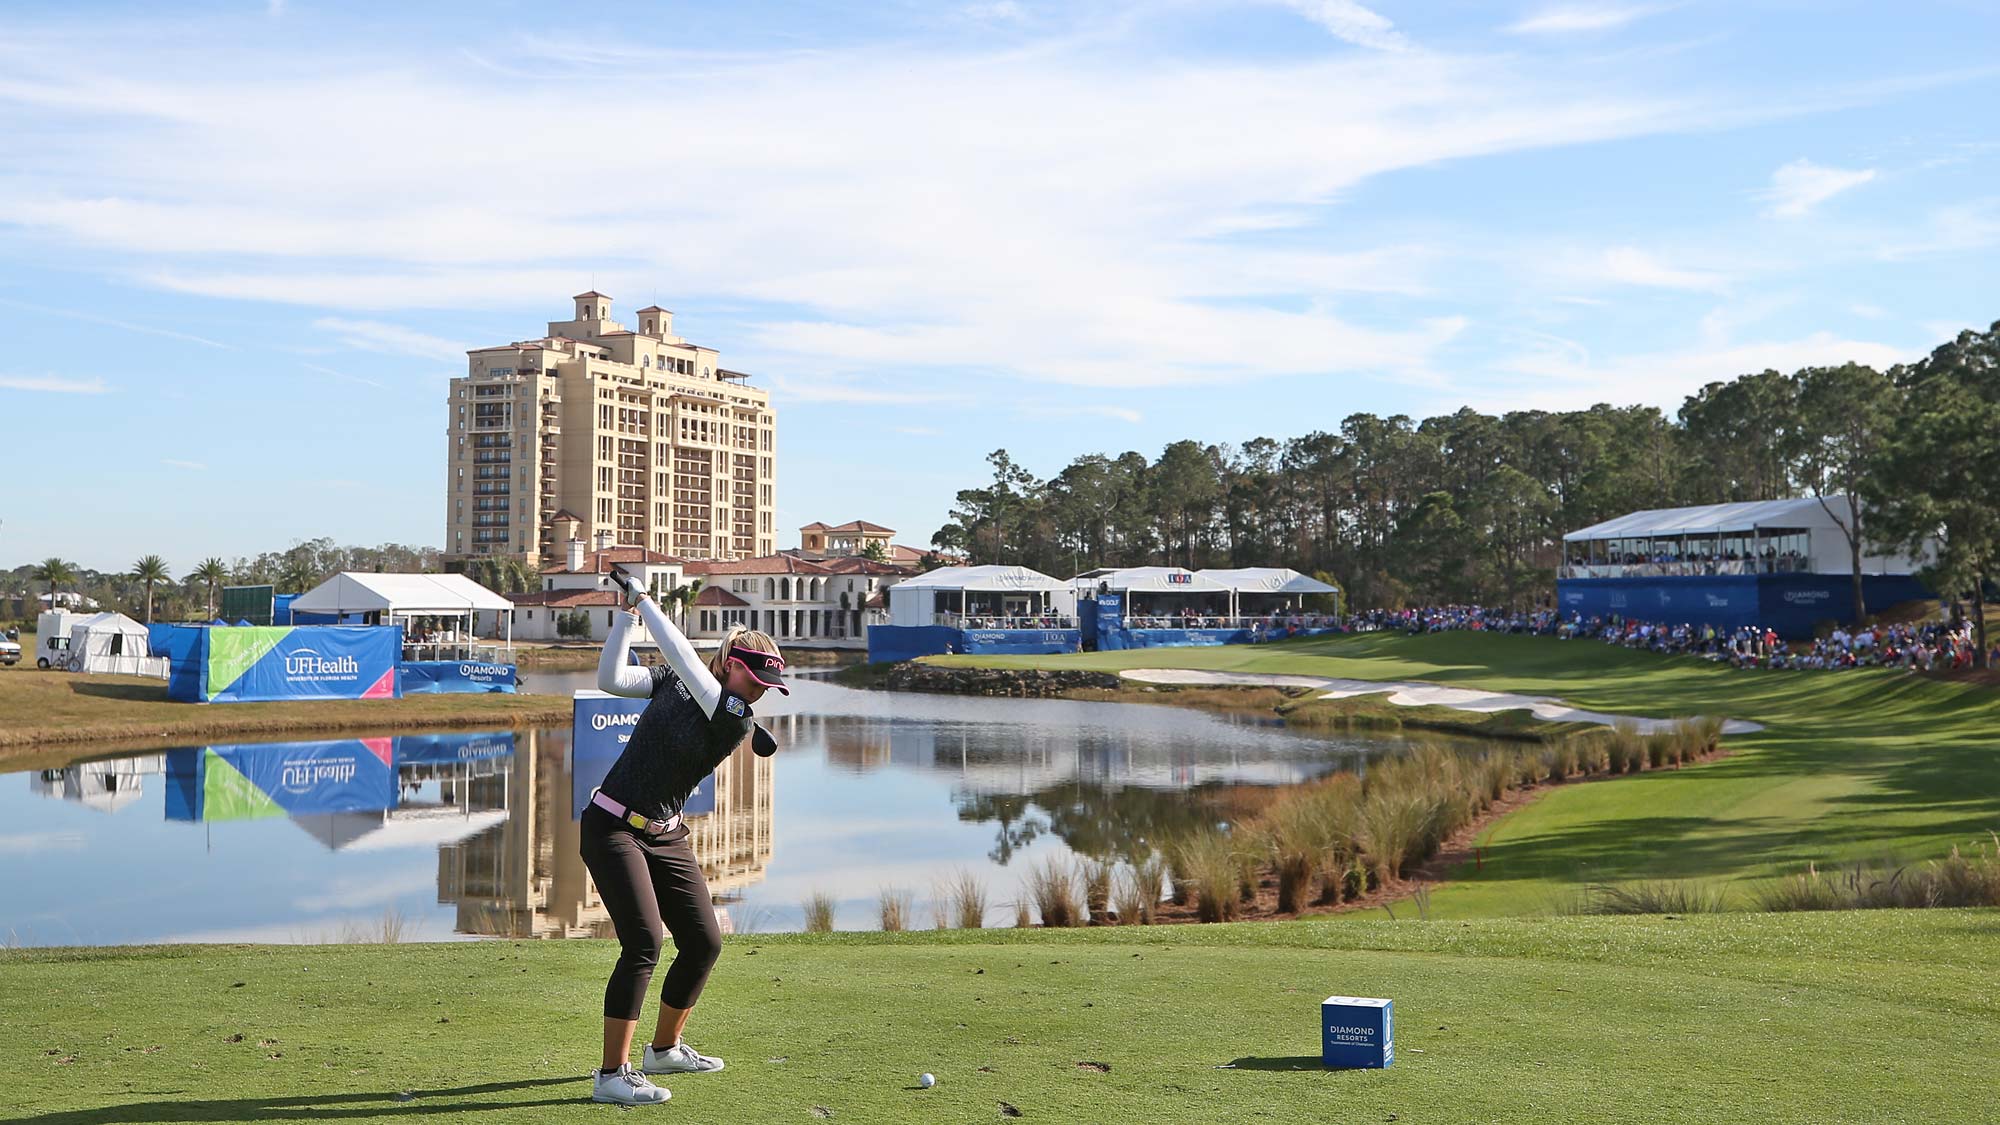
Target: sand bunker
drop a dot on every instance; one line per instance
(1416, 694)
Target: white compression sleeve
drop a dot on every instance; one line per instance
(682, 658)
(616, 676)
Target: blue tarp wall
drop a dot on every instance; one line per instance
(1111, 640)
(600, 726)
(891, 643)
(426, 677)
(1792, 605)
(333, 775)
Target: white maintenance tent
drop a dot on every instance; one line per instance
(113, 642)
(1805, 532)
(409, 600)
(950, 595)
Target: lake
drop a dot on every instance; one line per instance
(443, 836)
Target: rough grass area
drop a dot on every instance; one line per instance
(1861, 765)
(1872, 1017)
(45, 715)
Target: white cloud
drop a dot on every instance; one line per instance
(340, 375)
(1629, 265)
(351, 892)
(1568, 18)
(1800, 186)
(92, 318)
(172, 463)
(392, 339)
(54, 384)
(1010, 213)
(30, 843)
(1559, 374)
(1347, 20)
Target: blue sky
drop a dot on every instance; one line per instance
(243, 247)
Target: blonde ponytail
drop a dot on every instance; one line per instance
(748, 638)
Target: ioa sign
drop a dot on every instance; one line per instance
(1181, 579)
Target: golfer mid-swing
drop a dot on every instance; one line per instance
(636, 847)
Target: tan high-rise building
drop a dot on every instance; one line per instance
(611, 436)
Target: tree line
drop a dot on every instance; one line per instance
(1471, 507)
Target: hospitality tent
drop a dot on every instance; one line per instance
(1266, 589)
(959, 592)
(112, 642)
(409, 600)
(1808, 531)
(1171, 594)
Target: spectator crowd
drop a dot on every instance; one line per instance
(1932, 647)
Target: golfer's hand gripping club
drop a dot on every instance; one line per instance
(635, 590)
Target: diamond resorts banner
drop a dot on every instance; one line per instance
(600, 726)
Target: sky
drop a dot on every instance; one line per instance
(243, 246)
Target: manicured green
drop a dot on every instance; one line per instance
(1853, 765)
(1864, 1017)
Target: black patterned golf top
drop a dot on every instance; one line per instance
(690, 727)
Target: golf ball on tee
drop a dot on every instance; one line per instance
(926, 1080)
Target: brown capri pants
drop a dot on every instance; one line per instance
(651, 884)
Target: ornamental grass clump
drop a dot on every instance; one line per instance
(819, 913)
(1291, 830)
(1396, 826)
(1206, 862)
(1662, 748)
(1656, 897)
(1625, 748)
(1053, 887)
(965, 894)
(1147, 880)
(894, 909)
(1095, 876)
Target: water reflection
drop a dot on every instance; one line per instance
(475, 834)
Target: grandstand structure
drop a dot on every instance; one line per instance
(1786, 565)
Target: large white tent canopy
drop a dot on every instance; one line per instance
(112, 642)
(1267, 580)
(916, 600)
(401, 595)
(1822, 521)
(1159, 580)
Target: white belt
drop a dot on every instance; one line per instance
(655, 827)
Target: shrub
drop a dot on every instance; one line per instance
(1053, 887)
(967, 896)
(1662, 748)
(1207, 863)
(1395, 828)
(1622, 750)
(1096, 879)
(1149, 886)
(1293, 832)
(1568, 755)
(895, 910)
(819, 913)
(1022, 919)
(1956, 880)
(1661, 897)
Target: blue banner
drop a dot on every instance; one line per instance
(444, 749)
(1121, 638)
(600, 726)
(424, 677)
(891, 643)
(246, 782)
(1792, 605)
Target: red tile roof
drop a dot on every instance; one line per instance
(564, 599)
(855, 564)
(814, 526)
(862, 525)
(716, 595)
(655, 308)
(769, 564)
(600, 562)
(592, 293)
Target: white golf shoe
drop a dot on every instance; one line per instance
(678, 1059)
(626, 1086)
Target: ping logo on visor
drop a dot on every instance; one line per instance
(767, 668)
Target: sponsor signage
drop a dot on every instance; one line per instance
(1357, 1033)
(266, 662)
(600, 727)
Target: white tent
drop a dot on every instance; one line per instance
(919, 600)
(1267, 580)
(398, 599)
(1808, 525)
(1158, 580)
(112, 642)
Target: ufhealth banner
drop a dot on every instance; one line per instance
(600, 726)
(277, 662)
(426, 677)
(247, 782)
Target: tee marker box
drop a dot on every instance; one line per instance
(1357, 1033)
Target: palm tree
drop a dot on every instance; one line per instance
(211, 573)
(147, 571)
(682, 598)
(57, 572)
(297, 576)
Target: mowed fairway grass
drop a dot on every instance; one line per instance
(1852, 766)
(1860, 1017)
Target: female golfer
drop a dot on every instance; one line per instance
(636, 847)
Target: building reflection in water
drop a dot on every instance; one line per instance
(524, 878)
(106, 785)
